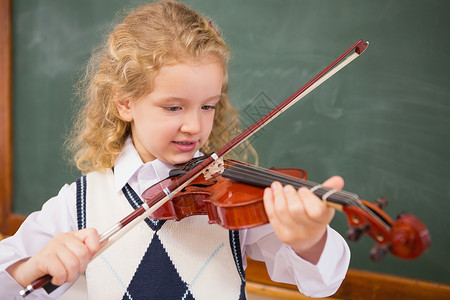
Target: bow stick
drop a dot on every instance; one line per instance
(116, 231)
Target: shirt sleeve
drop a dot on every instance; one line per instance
(57, 215)
(284, 265)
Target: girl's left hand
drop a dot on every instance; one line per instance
(300, 218)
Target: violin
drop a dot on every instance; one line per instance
(203, 186)
(231, 194)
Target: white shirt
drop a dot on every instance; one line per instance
(59, 214)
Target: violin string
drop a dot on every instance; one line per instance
(264, 174)
(339, 197)
(261, 173)
(344, 197)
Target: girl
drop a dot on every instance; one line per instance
(156, 96)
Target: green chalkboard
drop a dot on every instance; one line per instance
(382, 122)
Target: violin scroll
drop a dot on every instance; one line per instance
(407, 237)
(410, 237)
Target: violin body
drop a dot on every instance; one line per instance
(233, 199)
(228, 203)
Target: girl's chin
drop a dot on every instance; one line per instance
(179, 159)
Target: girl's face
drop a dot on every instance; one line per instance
(175, 119)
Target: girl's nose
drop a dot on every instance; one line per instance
(191, 123)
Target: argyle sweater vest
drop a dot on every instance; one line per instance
(187, 259)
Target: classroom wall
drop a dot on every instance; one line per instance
(382, 122)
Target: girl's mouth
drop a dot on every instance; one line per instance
(185, 146)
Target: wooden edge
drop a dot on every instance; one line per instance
(357, 285)
(274, 292)
(364, 285)
(13, 223)
(6, 155)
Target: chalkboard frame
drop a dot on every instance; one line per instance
(9, 222)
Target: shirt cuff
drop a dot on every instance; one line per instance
(11, 289)
(329, 271)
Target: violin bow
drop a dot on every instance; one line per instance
(115, 232)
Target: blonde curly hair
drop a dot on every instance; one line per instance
(124, 68)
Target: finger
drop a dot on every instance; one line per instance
(58, 272)
(90, 238)
(270, 204)
(315, 208)
(279, 199)
(46, 262)
(335, 182)
(70, 262)
(295, 205)
(57, 265)
(80, 251)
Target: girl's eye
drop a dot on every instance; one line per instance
(208, 107)
(172, 108)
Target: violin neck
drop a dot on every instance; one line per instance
(263, 178)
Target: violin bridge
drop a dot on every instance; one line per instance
(217, 167)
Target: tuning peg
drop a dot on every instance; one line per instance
(381, 202)
(378, 252)
(355, 233)
(402, 215)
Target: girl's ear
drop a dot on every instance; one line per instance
(124, 109)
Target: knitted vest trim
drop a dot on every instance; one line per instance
(81, 202)
(135, 202)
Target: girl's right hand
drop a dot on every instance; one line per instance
(64, 258)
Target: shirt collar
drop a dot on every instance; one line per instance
(129, 165)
